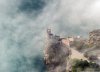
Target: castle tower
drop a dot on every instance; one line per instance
(49, 34)
(48, 31)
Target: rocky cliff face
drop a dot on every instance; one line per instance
(56, 54)
(94, 44)
(94, 37)
(56, 57)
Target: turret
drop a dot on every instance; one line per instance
(48, 31)
(49, 34)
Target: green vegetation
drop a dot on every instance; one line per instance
(84, 65)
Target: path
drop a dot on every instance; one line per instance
(77, 55)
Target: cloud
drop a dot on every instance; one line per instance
(31, 6)
(22, 30)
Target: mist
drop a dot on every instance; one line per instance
(23, 27)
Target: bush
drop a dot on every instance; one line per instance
(82, 65)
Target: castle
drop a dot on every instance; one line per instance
(51, 37)
(55, 38)
(55, 53)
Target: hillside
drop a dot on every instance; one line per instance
(60, 52)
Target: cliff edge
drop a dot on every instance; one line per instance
(56, 53)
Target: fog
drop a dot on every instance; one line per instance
(23, 27)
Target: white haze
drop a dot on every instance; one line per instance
(24, 35)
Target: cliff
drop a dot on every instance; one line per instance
(94, 37)
(56, 54)
(59, 52)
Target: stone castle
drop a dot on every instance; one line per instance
(56, 53)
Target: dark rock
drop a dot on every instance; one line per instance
(56, 54)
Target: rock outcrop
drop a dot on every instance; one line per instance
(94, 38)
(94, 43)
(56, 54)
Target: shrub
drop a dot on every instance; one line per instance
(82, 65)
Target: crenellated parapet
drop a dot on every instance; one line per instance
(52, 38)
